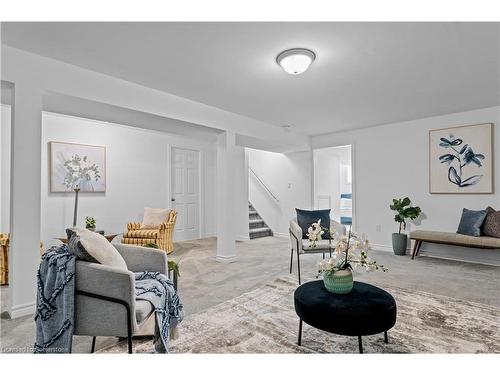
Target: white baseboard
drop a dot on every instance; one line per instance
(387, 248)
(281, 235)
(22, 310)
(226, 259)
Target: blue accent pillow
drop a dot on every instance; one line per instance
(306, 218)
(471, 222)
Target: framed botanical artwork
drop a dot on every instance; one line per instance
(75, 165)
(461, 160)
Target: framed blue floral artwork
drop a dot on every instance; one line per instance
(461, 160)
(75, 165)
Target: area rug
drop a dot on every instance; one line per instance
(264, 321)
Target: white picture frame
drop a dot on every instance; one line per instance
(461, 160)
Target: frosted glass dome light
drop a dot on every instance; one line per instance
(296, 60)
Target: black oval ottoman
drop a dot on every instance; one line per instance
(367, 310)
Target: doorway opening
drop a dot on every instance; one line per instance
(333, 182)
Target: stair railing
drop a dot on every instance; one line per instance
(263, 184)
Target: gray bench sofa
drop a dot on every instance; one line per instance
(420, 236)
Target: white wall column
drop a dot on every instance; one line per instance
(226, 197)
(25, 169)
(5, 168)
(241, 185)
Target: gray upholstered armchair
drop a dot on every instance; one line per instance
(299, 245)
(105, 303)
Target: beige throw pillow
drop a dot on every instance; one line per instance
(153, 217)
(100, 249)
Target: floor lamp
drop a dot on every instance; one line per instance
(76, 189)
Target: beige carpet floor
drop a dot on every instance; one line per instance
(264, 321)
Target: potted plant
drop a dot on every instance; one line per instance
(404, 211)
(90, 223)
(348, 251)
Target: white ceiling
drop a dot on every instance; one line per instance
(365, 74)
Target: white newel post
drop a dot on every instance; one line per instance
(226, 198)
(24, 256)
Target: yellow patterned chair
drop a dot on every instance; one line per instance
(161, 236)
(4, 257)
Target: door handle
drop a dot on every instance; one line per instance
(172, 199)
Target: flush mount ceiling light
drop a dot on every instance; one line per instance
(296, 60)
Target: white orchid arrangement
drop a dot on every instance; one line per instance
(314, 233)
(348, 251)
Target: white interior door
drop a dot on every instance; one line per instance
(186, 193)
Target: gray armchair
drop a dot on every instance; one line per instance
(105, 303)
(301, 246)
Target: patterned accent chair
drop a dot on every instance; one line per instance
(4, 257)
(161, 236)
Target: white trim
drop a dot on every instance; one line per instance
(387, 248)
(22, 310)
(226, 259)
(281, 235)
(374, 246)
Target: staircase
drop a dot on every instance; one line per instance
(258, 227)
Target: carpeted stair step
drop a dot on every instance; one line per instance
(260, 232)
(256, 223)
(254, 215)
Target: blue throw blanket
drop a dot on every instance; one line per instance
(159, 290)
(55, 302)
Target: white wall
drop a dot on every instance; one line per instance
(392, 161)
(137, 170)
(5, 128)
(289, 177)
